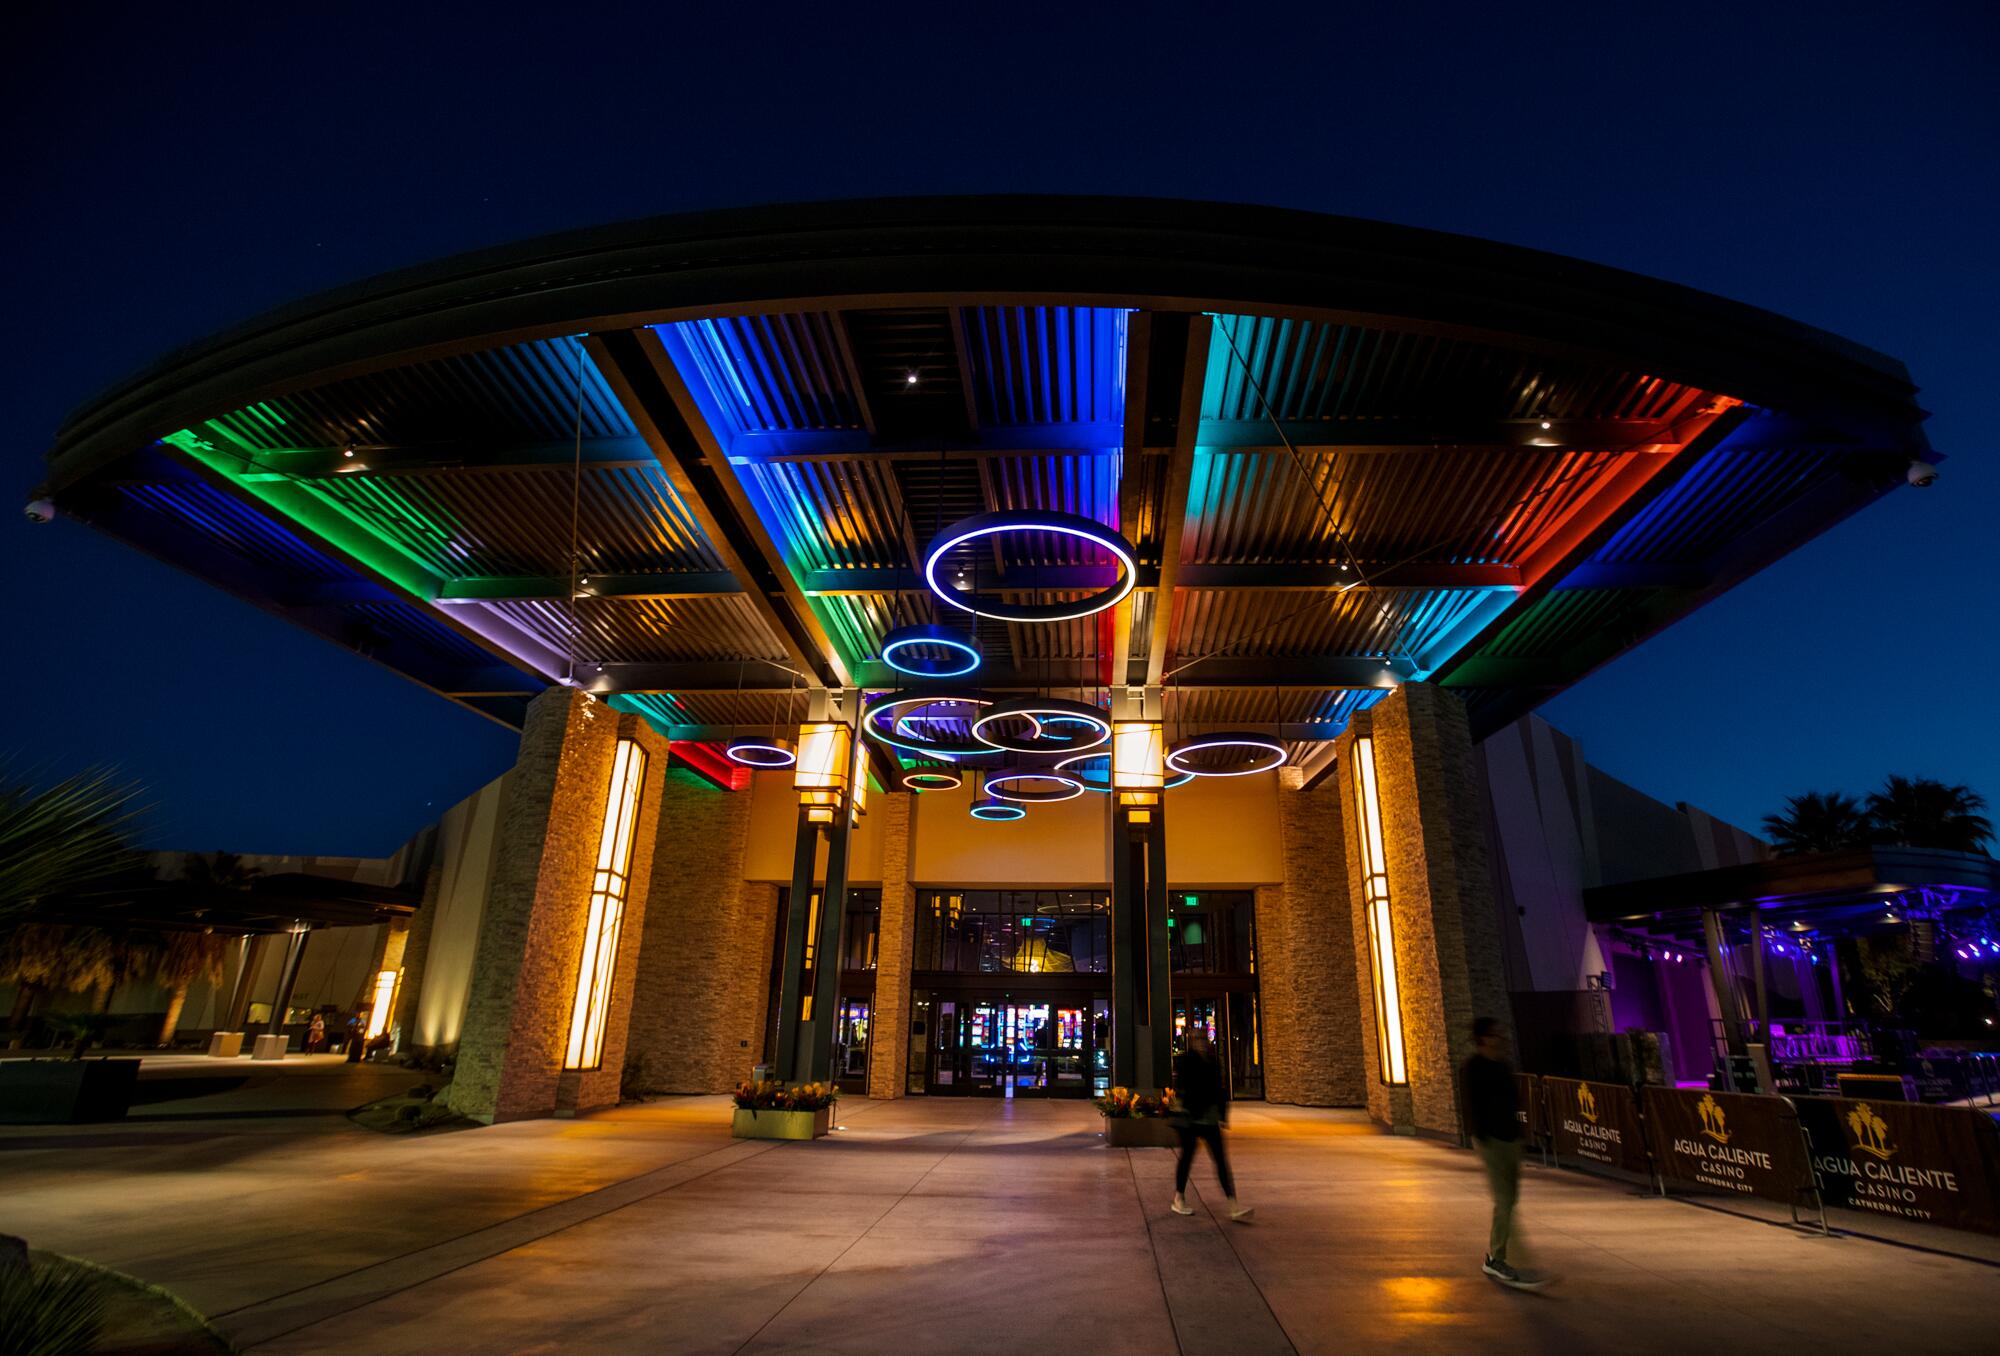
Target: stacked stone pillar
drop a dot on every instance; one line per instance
(1312, 1040)
(1447, 942)
(510, 1059)
(704, 967)
(889, 1030)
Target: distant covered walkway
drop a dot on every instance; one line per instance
(927, 1226)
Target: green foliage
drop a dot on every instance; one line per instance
(49, 1310)
(1920, 812)
(1915, 812)
(71, 834)
(1817, 821)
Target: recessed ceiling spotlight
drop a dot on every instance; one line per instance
(1547, 424)
(346, 451)
(910, 379)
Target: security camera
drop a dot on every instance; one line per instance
(1922, 473)
(41, 510)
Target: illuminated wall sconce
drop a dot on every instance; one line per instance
(825, 766)
(860, 782)
(1375, 904)
(1138, 764)
(608, 884)
(383, 1003)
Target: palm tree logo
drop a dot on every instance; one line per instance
(1586, 1103)
(1713, 1123)
(1871, 1133)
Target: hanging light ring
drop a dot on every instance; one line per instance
(1014, 784)
(761, 751)
(933, 779)
(1029, 522)
(898, 720)
(997, 810)
(925, 651)
(1094, 771)
(1257, 753)
(1056, 725)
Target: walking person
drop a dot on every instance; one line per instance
(1201, 1096)
(1492, 1112)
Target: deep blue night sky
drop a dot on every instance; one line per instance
(173, 174)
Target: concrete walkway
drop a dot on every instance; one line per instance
(937, 1226)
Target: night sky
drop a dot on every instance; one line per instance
(176, 169)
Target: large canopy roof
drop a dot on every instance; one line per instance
(1348, 454)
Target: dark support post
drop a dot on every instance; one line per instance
(1757, 969)
(1725, 993)
(826, 951)
(1128, 966)
(295, 953)
(791, 984)
(246, 979)
(1158, 982)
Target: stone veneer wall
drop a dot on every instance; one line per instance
(703, 973)
(1313, 1053)
(889, 1034)
(531, 934)
(1448, 959)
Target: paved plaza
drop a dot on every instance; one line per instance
(924, 1226)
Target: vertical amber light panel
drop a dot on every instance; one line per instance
(1138, 761)
(1375, 906)
(608, 885)
(384, 1002)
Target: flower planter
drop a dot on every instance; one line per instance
(65, 1091)
(769, 1124)
(1139, 1132)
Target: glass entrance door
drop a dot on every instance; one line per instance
(850, 1046)
(996, 1047)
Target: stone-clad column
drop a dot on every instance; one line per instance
(889, 1023)
(1447, 943)
(704, 968)
(538, 899)
(1313, 1054)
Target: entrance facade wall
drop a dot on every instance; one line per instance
(694, 968)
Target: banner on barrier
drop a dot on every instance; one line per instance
(1598, 1122)
(1940, 1165)
(1528, 1109)
(1728, 1141)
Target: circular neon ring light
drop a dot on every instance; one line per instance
(933, 779)
(1042, 712)
(1002, 785)
(997, 809)
(754, 752)
(889, 720)
(1007, 521)
(1257, 762)
(962, 651)
(1074, 765)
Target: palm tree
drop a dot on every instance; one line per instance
(72, 833)
(187, 957)
(32, 960)
(1923, 813)
(1817, 821)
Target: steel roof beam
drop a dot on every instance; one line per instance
(375, 459)
(1174, 497)
(544, 588)
(1310, 673)
(1272, 577)
(637, 368)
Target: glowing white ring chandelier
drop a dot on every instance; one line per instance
(1005, 522)
(1267, 754)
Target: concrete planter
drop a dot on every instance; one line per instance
(65, 1091)
(768, 1124)
(1139, 1132)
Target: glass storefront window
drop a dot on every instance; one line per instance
(1014, 932)
(1211, 932)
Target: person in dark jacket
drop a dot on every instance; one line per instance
(1492, 1113)
(1201, 1106)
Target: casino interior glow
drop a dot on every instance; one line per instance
(608, 884)
(1375, 902)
